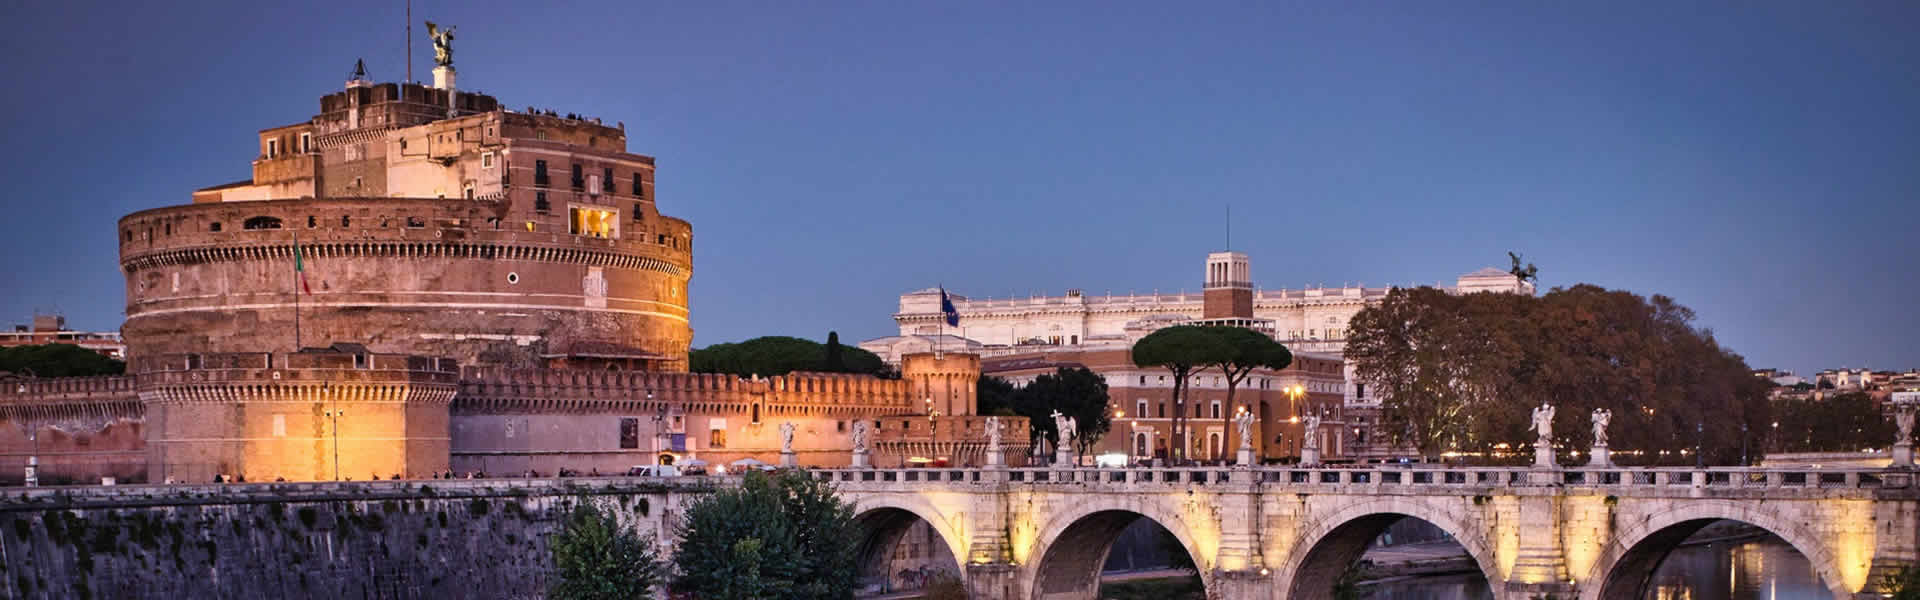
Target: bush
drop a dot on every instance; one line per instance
(595, 558)
(776, 536)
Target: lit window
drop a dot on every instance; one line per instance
(273, 148)
(593, 222)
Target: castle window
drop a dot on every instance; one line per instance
(579, 177)
(273, 148)
(346, 221)
(129, 235)
(169, 229)
(306, 143)
(540, 173)
(486, 160)
(416, 222)
(606, 180)
(468, 190)
(629, 433)
(717, 431)
(639, 190)
(312, 221)
(637, 215)
(540, 204)
(261, 223)
(592, 222)
(663, 237)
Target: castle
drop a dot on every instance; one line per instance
(417, 280)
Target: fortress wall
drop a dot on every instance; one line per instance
(415, 276)
(82, 429)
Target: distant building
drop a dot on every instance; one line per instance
(1312, 321)
(52, 329)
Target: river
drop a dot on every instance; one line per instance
(1759, 569)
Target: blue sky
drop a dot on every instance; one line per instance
(1757, 161)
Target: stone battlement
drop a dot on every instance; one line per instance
(487, 389)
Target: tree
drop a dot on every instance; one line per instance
(1465, 371)
(1250, 350)
(595, 558)
(994, 396)
(1075, 392)
(784, 535)
(57, 360)
(835, 363)
(779, 355)
(1180, 350)
(1840, 423)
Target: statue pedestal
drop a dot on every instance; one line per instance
(1902, 455)
(1602, 457)
(1310, 457)
(443, 78)
(862, 459)
(1543, 455)
(1063, 458)
(789, 460)
(995, 458)
(1245, 457)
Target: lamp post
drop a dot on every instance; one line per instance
(1699, 441)
(334, 412)
(1743, 445)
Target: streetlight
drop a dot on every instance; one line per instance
(1699, 440)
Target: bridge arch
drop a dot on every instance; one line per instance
(1071, 546)
(1636, 550)
(884, 519)
(1336, 539)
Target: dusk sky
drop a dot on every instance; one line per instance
(1757, 161)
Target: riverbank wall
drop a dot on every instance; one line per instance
(465, 538)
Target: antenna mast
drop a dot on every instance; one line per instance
(1229, 247)
(409, 42)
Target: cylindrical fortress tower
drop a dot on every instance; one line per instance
(433, 277)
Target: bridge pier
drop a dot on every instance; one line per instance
(991, 580)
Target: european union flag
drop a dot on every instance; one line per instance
(946, 308)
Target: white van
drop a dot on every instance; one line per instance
(653, 471)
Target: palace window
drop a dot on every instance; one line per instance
(1142, 406)
(486, 160)
(306, 143)
(540, 204)
(273, 148)
(639, 190)
(637, 215)
(579, 177)
(606, 180)
(540, 173)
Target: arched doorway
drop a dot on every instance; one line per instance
(1390, 555)
(1079, 563)
(901, 552)
(1713, 559)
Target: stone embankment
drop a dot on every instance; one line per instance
(479, 538)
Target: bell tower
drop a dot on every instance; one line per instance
(1229, 287)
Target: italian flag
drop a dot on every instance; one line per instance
(300, 266)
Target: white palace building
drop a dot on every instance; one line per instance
(1311, 320)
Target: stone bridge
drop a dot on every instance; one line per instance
(1272, 533)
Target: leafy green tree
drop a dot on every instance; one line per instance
(1250, 350)
(597, 559)
(1181, 350)
(57, 360)
(779, 355)
(836, 362)
(994, 396)
(784, 535)
(1075, 392)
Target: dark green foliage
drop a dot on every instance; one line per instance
(779, 355)
(1902, 584)
(595, 558)
(479, 507)
(58, 360)
(784, 535)
(1249, 350)
(1838, 423)
(1075, 392)
(994, 396)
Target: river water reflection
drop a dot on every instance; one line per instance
(1758, 569)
